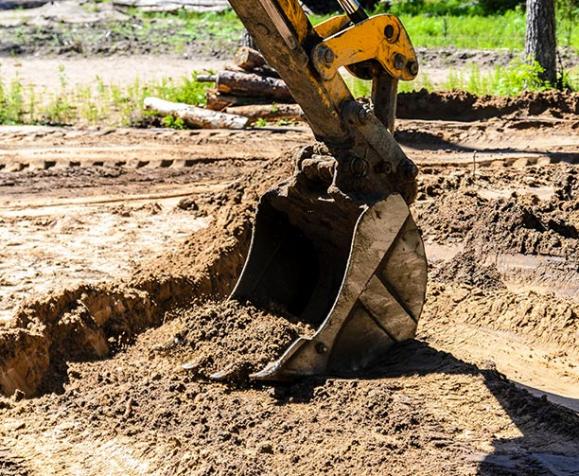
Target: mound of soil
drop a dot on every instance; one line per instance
(543, 319)
(96, 321)
(466, 269)
(463, 106)
(165, 419)
(230, 341)
(450, 216)
(144, 401)
(452, 209)
(511, 227)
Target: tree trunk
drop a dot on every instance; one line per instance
(196, 116)
(290, 112)
(540, 41)
(248, 59)
(252, 85)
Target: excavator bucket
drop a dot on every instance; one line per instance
(356, 273)
(335, 246)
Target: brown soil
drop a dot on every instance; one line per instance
(122, 370)
(463, 106)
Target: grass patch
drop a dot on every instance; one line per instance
(476, 31)
(510, 80)
(222, 27)
(98, 103)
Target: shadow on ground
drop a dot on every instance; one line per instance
(536, 418)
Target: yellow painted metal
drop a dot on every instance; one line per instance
(382, 38)
(331, 25)
(297, 18)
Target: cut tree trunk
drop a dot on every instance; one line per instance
(278, 112)
(218, 102)
(196, 116)
(540, 40)
(253, 85)
(248, 59)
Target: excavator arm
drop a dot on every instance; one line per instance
(335, 245)
(309, 58)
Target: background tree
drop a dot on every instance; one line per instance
(540, 39)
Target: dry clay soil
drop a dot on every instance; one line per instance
(114, 241)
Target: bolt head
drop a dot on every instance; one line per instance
(399, 61)
(412, 67)
(327, 55)
(321, 348)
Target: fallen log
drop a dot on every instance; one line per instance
(248, 59)
(269, 112)
(201, 6)
(206, 78)
(253, 85)
(218, 102)
(196, 116)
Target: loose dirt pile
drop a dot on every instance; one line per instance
(545, 320)
(155, 416)
(467, 208)
(466, 269)
(93, 321)
(463, 106)
(230, 341)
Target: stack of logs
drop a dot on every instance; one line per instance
(251, 89)
(244, 93)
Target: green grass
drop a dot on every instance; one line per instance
(98, 103)
(509, 80)
(480, 32)
(477, 31)
(114, 105)
(190, 26)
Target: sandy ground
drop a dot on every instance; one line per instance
(65, 221)
(123, 71)
(117, 70)
(139, 224)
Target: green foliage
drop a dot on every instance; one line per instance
(567, 18)
(479, 32)
(452, 7)
(173, 122)
(187, 90)
(101, 103)
(569, 80)
(509, 80)
(11, 102)
(502, 81)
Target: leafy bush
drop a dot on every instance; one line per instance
(452, 7)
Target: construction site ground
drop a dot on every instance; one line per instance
(120, 245)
